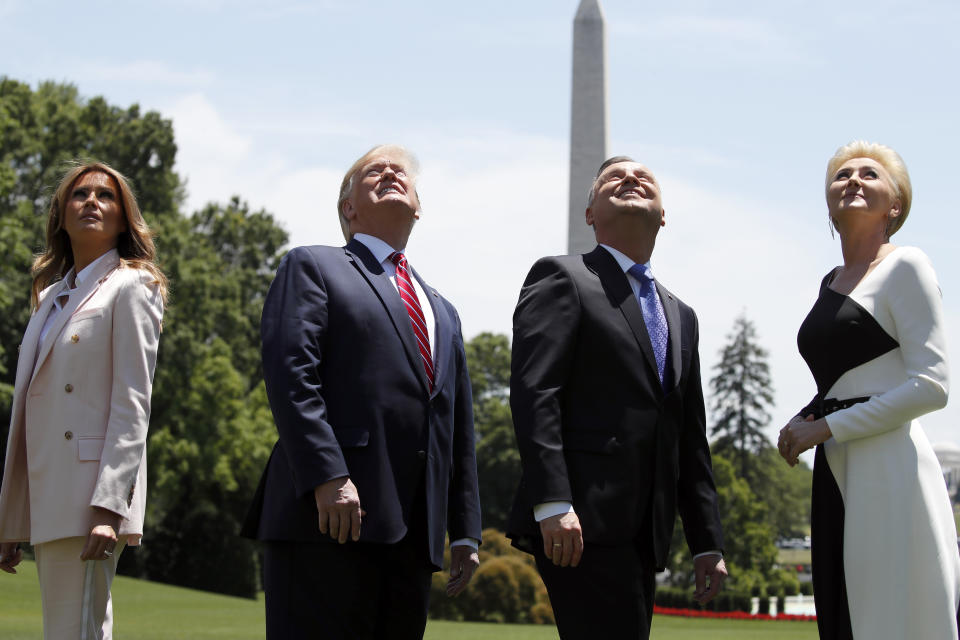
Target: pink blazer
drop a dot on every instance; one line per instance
(78, 426)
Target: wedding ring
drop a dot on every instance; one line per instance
(107, 553)
(557, 544)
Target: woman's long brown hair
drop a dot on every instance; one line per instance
(135, 245)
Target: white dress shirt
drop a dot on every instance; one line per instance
(68, 286)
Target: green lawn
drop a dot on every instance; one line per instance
(787, 557)
(149, 611)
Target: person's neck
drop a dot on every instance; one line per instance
(862, 249)
(83, 255)
(393, 237)
(638, 246)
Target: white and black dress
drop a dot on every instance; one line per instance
(885, 559)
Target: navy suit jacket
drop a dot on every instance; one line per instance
(593, 423)
(350, 397)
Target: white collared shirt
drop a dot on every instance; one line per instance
(68, 286)
(382, 252)
(625, 264)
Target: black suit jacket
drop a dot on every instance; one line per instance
(349, 396)
(593, 423)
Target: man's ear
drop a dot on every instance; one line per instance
(588, 215)
(349, 212)
(663, 217)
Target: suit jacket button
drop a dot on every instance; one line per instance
(422, 455)
(68, 435)
(68, 388)
(74, 338)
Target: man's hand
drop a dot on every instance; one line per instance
(463, 562)
(10, 556)
(709, 566)
(102, 539)
(338, 507)
(562, 539)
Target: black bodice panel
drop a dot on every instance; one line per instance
(837, 335)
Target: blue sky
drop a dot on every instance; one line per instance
(736, 107)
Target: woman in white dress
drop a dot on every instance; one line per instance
(885, 559)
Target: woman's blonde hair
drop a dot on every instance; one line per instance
(135, 244)
(889, 160)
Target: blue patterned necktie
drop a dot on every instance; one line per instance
(653, 315)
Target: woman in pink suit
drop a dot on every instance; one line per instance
(74, 481)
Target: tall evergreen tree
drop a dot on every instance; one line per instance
(741, 393)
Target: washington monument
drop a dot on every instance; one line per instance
(588, 118)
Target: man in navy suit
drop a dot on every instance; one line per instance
(609, 416)
(367, 379)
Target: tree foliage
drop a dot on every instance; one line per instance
(40, 131)
(498, 460)
(741, 391)
(211, 430)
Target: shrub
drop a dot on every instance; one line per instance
(505, 588)
(671, 598)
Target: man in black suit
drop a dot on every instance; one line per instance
(609, 416)
(367, 379)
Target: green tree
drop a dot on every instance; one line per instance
(741, 391)
(498, 460)
(749, 550)
(40, 131)
(786, 492)
(211, 429)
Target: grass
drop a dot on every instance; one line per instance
(787, 557)
(151, 611)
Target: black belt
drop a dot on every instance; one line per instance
(832, 405)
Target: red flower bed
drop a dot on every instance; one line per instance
(729, 615)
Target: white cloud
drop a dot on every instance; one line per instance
(304, 201)
(211, 154)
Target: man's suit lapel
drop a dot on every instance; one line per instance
(443, 333)
(615, 283)
(672, 311)
(373, 272)
(77, 298)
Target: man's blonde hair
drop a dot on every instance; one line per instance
(346, 186)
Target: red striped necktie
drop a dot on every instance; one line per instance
(409, 296)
